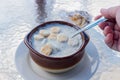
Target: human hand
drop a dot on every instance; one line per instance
(111, 28)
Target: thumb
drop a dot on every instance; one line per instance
(110, 12)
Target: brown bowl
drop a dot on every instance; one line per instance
(56, 64)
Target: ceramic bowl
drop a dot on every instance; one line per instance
(55, 64)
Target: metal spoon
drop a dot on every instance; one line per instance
(93, 24)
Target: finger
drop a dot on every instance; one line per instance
(115, 45)
(107, 30)
(111, 24)
(97, 17)
(109, 40)
(110, 12)
(103, 25)
(116, 27)
(107, 23)
(116, 35)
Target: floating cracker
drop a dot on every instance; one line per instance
(52, 36)
(46, 49)
(55, 29)
(38, 37)
(44, 33)
(73, 42)
(62, 38)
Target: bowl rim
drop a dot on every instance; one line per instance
(85, 40)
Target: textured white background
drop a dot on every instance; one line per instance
(18, 17)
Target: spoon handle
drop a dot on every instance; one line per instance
(102, 19)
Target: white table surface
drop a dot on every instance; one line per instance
(18, 17)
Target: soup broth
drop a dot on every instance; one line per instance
(55, 40)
